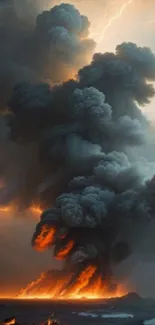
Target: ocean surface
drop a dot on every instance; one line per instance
(126, 310)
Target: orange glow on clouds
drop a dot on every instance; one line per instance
(65, 251)
(34, 211)
(45, 238)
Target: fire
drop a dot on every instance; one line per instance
(65, 250)
(36, 209)
(45, 238)
(5, 209)
(99, 289)
(32, 285)
(50, 321)
(56, 285)
(82, 281)
(9, 321)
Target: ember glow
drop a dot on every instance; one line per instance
(45, 238)
(5, 209)
(35, 210)
(65, 250)
(81, 282)
(9, 321)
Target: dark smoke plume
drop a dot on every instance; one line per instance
(36, 46)
(77, 141)
(84, 132)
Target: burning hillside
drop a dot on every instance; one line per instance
(59, 285)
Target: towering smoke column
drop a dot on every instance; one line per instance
(84, 134)
(50, 45)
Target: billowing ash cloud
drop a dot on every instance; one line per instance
(62, 41)
(36, 46)
(96, 189)
(78, 143)
(48, 45)
(123, 77)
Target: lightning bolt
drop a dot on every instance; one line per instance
(113, 18)
(105, 17)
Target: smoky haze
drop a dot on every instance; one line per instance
(73, 144)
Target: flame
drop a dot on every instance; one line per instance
(58, 286)
(36, 209)
(100, 289)
(65, 250)
(10, 321)
(32, 284)
(50, 321)
(45, 238)
(82, 281)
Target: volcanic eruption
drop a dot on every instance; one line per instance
(83, 161)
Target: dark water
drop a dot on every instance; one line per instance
(38, 311)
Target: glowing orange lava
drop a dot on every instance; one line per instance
(45, 238)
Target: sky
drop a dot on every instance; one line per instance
(112, 22)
